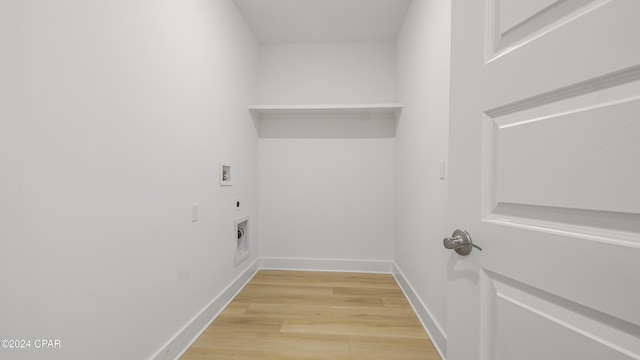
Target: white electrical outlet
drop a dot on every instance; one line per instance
(194, 212)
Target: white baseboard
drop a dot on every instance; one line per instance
(188, 334)
(433, 329)
(336, 265)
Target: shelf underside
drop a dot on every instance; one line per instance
(390, 111)
(326, 121)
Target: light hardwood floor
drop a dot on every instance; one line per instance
(288, 315)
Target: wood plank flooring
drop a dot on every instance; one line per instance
(288, 315)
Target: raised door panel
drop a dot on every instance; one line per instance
(525, 323)
(573, 161)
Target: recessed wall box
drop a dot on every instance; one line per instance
(225, 173)
(242, 240)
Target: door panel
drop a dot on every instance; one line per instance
(556, 155)
(513, 13)
(594, 43)
(544, 174)
(555, 328)
(515, 22)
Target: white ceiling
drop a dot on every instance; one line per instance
(286, 21)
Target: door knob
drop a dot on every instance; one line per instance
(460, 241)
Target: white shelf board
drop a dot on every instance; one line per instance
(391, 110)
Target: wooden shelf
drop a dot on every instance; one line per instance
(390, 111)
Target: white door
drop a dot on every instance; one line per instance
(545, 176)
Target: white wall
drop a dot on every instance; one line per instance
(114, 116)
(421, 142)
(327, 73)
(326, 198)
(329, 196)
